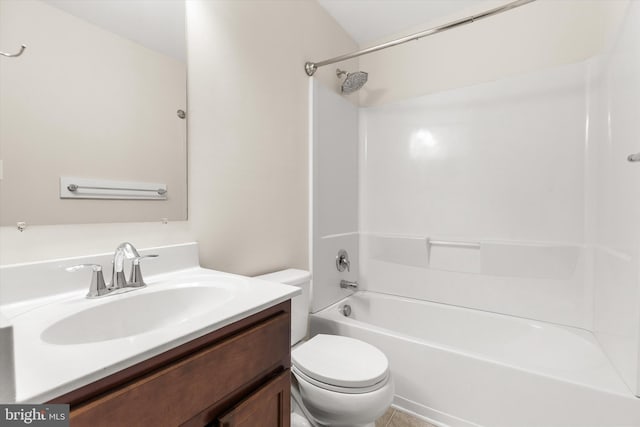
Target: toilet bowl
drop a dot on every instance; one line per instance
(341, 381)
(337, 381)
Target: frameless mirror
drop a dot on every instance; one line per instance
(98, 94)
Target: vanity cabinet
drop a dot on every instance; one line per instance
(236, 376)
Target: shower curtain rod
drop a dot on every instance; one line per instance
(311, 67)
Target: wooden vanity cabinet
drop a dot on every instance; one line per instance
(236, 376)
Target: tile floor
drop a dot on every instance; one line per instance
(395, 418)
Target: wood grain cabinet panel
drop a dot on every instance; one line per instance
(197, 388)
(269, 406)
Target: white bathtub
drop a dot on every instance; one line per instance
(463, 367)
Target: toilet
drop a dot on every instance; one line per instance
(337, 381)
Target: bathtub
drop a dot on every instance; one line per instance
(460, 367)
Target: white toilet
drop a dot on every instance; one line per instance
(337, 381)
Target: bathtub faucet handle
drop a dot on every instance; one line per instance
(342, 261)
(345, 284)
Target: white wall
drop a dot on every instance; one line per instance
(538, 35)
(613, 192)
(501, 164)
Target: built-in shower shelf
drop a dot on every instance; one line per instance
(492, 258)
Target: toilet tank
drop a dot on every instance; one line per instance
(299, 304)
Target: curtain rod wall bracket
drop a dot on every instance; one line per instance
(310, 68)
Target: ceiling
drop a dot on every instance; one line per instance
(158, 25)
(368, 21)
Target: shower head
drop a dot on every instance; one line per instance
(353, 81)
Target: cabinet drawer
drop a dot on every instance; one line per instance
(178, 392)
(269, 406)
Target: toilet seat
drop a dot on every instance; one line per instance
(348, 390)
(340, 364)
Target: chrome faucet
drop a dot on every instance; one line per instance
(345, 284)
(125, 250)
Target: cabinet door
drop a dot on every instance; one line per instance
(269, 406)
(180, 391)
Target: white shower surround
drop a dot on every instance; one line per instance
(613, 204)
(501, 164)
(533, 170)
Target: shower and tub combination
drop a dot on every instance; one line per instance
(492, 239)
(465, 367)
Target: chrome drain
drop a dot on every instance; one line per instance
(346, 310)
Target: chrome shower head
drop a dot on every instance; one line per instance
(353, 81)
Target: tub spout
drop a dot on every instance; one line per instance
(345, 284)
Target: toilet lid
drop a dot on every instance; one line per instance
(341, 361)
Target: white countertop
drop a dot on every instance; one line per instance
(44, 370)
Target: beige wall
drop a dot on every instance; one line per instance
(248, 136)
(85, 102)
(248, 129)
(535, 36)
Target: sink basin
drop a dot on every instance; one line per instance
(54, 340)
(132, 314)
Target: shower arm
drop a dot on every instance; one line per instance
(311, 67)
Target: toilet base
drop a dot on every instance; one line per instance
(300, 417)
(298, 420)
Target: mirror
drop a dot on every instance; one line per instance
(96, 95)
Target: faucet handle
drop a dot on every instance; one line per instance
(78, 267)
(136, 260)
(97, 287)
(136, 280)
(342, 261)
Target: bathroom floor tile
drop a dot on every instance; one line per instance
(383, 421)
(401, 419)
